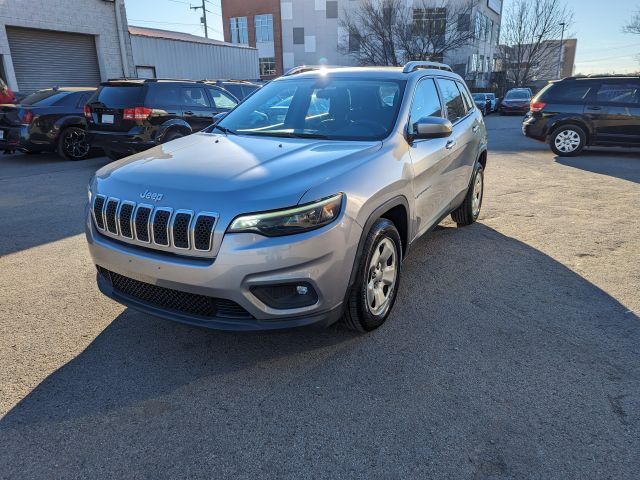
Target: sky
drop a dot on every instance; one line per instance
(602, 46)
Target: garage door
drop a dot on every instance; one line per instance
(44, 59)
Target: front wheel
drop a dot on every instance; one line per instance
(568, 140)
(378, 277)
(73, 144)
(468, 212)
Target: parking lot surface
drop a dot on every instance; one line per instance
(512, 351)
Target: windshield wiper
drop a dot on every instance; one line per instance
(223, 129)
(288, 135)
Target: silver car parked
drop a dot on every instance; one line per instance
(298, 207)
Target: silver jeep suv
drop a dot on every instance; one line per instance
(298, 207)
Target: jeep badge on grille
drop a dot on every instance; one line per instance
(156, 197)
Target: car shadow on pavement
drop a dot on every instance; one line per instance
(623, 164)
(43, 199)
(497, 360)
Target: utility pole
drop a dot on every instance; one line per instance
(560, 51)
(203, 19)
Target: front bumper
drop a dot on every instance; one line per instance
(323, 258)
(521, 109)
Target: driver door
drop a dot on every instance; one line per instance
(428, 158)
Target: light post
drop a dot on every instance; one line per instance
(563, 25)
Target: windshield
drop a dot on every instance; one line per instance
(479, 96)
(331, 108)
(520, 95)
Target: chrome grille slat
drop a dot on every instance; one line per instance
(98, 211)
(180, 229)
(110, 212)
(125, 219)
(160, 228)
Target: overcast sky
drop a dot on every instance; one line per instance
(602, 47)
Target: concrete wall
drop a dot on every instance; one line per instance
(195, 61)
(94, 17)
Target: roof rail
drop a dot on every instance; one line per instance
(418, 65)
(307, 68)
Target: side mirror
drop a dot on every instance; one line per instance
(432, 127)
(219, 116)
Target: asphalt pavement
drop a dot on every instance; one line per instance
(512, 352)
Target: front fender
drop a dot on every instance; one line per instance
(569, 118)
(64, 122)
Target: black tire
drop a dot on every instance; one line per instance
(73, 144)
(576, 140)
(171, 135)
(467, 213)
(114, 155)
(358, 315)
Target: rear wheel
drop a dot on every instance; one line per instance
(378, 277)
(171, 136)
(73, 144)
(567, 140)
(468, 212)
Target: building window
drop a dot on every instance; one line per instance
(264, 28)
(298, 36)
(267, 66)
(464, 22)
(238, 27)
(430, 21)
(354, 42)
(332, 9)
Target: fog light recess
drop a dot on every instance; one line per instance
(286, 295)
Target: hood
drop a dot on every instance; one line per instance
(236, 173)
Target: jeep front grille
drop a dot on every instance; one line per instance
(158, 227)
(174, 300)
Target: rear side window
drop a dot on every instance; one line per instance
(572, 93)
(44, 98)
(163, 95)
(452, 99)
(466, 95)
(195, 97)
(120, 95)
(235, 89)
(426, 102)
(624, 93)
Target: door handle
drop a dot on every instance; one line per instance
(188, 112)
(594, 108)
(450, 144)
(475, 128)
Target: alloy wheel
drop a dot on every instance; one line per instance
(476, 198)
(382, 276)
(75, 143)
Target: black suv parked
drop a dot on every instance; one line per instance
(581, 111)
(47, 121)
(240, 89)
(129, 116)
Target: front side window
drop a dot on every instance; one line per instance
(325, 107)
(452, 99)
(264, 28)
(222, 100)
(426, 103)
(239, 32)
(624, 93)
(267, 66)
(195, 97)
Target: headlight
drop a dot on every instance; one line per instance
(89, 192)
(292, 220)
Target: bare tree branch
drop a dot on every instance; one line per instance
(531, 32)
(634, 24)
(389, 32)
